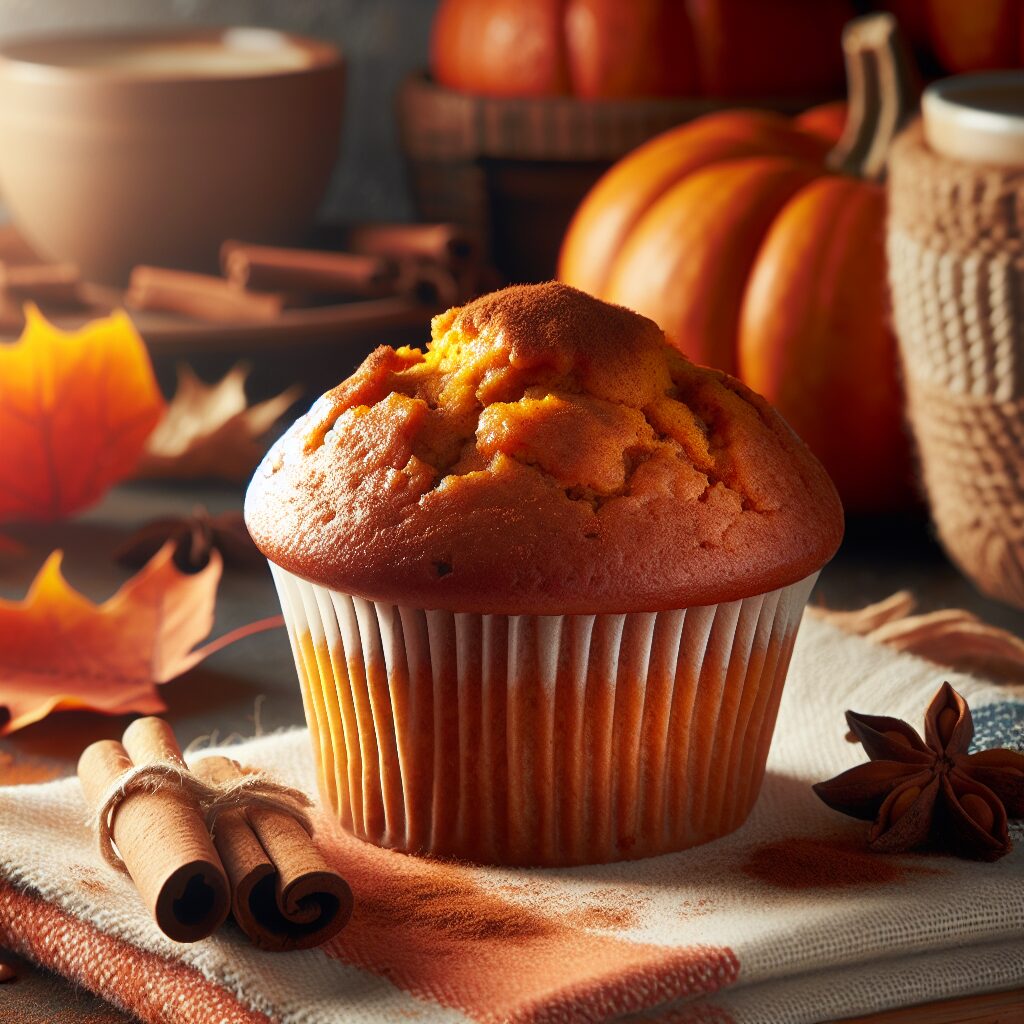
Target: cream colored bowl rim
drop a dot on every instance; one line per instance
(25, 57)
(948, 100)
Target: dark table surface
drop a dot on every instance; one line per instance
(251, 686)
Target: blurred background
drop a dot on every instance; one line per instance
(272, 189)
(383, 41)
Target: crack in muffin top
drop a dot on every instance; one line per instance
(548, 453)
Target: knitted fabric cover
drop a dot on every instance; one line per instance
(956, 271)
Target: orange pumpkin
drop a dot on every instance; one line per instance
(827, 120)
(733, 234)
(611, 48)
(965, 35)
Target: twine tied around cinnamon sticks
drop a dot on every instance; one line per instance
(198, 843)
(247, 790)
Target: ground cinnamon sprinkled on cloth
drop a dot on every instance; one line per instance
(696, 908)
(597, 915)
(454, 907)
(809, 863)
(23, 771)
(90, 881)
(615, 909)
(436, 930)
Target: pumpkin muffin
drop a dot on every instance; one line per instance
(542, 583)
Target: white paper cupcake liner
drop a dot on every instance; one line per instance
(540, 739)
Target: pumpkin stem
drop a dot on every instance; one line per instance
(882, 90)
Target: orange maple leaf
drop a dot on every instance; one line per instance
(59, 650)
(75, 412)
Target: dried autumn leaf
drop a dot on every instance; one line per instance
(862, 621)
(952, 637)
(59, 651)
(209, 430)
(956, 638)
(75, 411)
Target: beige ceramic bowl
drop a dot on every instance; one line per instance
(125, 149)
(977, 118)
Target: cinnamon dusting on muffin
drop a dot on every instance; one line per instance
(578, 395)
(554, 455)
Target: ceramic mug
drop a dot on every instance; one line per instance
(124, 149)
(977, 118)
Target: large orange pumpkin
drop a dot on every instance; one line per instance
(623, 48)
(965, 35)
(733, 234)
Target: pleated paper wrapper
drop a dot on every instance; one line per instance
(539, 739)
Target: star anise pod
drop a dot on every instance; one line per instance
(195, 536)
(931, 791)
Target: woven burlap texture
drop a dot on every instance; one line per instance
(956, 271)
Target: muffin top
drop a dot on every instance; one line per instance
(547, 454)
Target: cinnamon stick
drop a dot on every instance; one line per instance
(443, 243)
(199, 295)
(160, 834)
(313, 271)
(284, 894)
(50, 283)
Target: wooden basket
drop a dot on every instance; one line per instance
(514, 170)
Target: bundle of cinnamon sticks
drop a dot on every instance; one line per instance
(260, 863)
(435, 265)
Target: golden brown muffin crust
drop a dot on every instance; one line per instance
(547, 454)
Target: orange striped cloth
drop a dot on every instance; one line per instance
(788, 920)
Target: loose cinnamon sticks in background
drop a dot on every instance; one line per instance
(56, 283)
(441, 263)
(268, 268)
(199, 295)
(430, 265)
(435, 264)
(446, 244)
(24, 277)
(283, 892)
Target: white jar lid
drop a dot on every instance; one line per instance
(977, 118)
